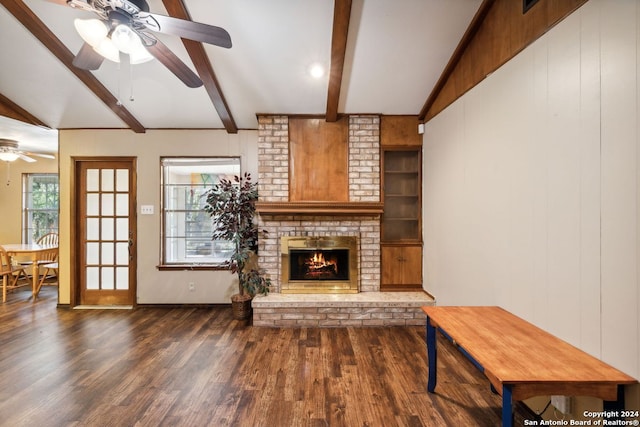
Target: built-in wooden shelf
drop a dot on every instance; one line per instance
(320, 208)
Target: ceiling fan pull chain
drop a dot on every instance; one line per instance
(119, 102)
(8, 173)
(131, 79)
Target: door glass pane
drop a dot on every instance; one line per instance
(107, 204)
(122, 204)
(93, 253)
(93, 204)
(107, 278)
(93, 229)
(122, 253)
(122, 228)
(92, 180)
(122, 180)
(122, 278)
(107, 180)
(93, 278)
(107, 229)
(107, 253)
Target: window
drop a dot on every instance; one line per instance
(39, 205)
(186, 227)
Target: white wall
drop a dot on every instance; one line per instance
(153, 286)
(532, 182)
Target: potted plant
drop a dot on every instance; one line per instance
(231, 205)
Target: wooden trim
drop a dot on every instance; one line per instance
(40, 31)
(341, 18)
(320, 208)
(497, 33)
(177, 9)
(12, 110)
(468, 36)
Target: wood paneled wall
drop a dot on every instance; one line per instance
(499, 31)
(318, 160)
(530, 191)
(399, 130)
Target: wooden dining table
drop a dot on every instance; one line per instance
(35, 253)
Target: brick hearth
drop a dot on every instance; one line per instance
(334, 310)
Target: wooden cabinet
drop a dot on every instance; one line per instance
(401, 268)
(402, 207)
(401, 228)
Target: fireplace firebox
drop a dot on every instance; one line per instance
(326, 264)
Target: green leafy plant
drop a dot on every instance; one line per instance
(231, 205)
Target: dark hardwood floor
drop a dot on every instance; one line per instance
(199, 367)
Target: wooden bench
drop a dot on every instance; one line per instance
(521, 360)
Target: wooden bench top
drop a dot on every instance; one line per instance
(515, 352)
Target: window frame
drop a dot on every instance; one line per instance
(27, 235)
(168, 262)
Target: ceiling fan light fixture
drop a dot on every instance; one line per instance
(125, 39)
(139, 55)
(92, 31)
(8, 157)
(108, 49)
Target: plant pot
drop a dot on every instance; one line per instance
(241, 306)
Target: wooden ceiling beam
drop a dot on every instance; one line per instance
(177, 9)
(341, 18)
(32, 23)
(10, 109)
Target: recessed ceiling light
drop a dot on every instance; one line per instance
(316, 71)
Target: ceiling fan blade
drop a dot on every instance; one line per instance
(60, 2)
(186, 29)
(43, 155)
(87, 58)
(26, 158)
(76, 4)
(169, 59)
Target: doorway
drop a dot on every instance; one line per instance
(105, 237)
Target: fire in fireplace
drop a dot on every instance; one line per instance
(319, 264)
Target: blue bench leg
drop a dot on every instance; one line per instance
(432, 354)
(615, 406)
(507, 406)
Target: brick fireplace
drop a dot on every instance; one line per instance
(291, 207)
(283, 218)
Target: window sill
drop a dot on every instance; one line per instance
(193, 267)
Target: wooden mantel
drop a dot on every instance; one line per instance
(320, 208)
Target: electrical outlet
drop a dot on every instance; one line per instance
(562, 403)
(192, 286)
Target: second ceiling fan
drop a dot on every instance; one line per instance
(127, 25)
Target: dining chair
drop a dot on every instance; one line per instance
(11, 273)
(49, 239)
(51, 267)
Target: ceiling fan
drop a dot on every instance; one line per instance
(9, 152)
(127, 25)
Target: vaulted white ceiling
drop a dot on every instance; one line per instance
(396, 51)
